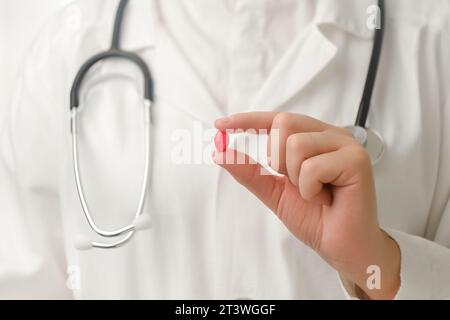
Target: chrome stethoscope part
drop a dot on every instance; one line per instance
(371, 140)
(141, 221)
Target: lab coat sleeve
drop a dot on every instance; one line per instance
(425, 266)
(425, 261)
(32, 258)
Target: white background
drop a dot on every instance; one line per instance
(20, 23)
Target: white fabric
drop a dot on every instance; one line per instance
(20, 23)
(211, 238)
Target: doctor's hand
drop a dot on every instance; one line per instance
(326, 197)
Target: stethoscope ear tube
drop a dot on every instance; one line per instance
(141, 221)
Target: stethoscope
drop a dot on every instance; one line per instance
(368, 137)
(141, 221)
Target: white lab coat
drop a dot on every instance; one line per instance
(210, 237)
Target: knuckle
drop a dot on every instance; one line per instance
(283, 120)
(309, 166)
(297, 144)
(344, 132)
(293, 142)
(360, 156)
(337, 135)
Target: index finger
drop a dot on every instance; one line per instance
(293, 123)
(246, 121)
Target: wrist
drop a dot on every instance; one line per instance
(377, 272)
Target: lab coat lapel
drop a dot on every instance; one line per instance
(307, 57)
(178, 84)
(139, 30)
(312, 51)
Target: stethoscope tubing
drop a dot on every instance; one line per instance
(364, 106)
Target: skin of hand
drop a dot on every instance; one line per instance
(326, 197)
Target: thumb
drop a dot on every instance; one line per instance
(253, 176)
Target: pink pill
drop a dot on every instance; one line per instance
(221, 141)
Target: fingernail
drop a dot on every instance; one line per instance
(223, 121)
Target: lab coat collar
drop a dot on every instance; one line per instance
(306, 58)
(349, 15)
(312, 51)
(142, 20)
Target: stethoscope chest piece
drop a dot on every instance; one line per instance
(371, 140)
